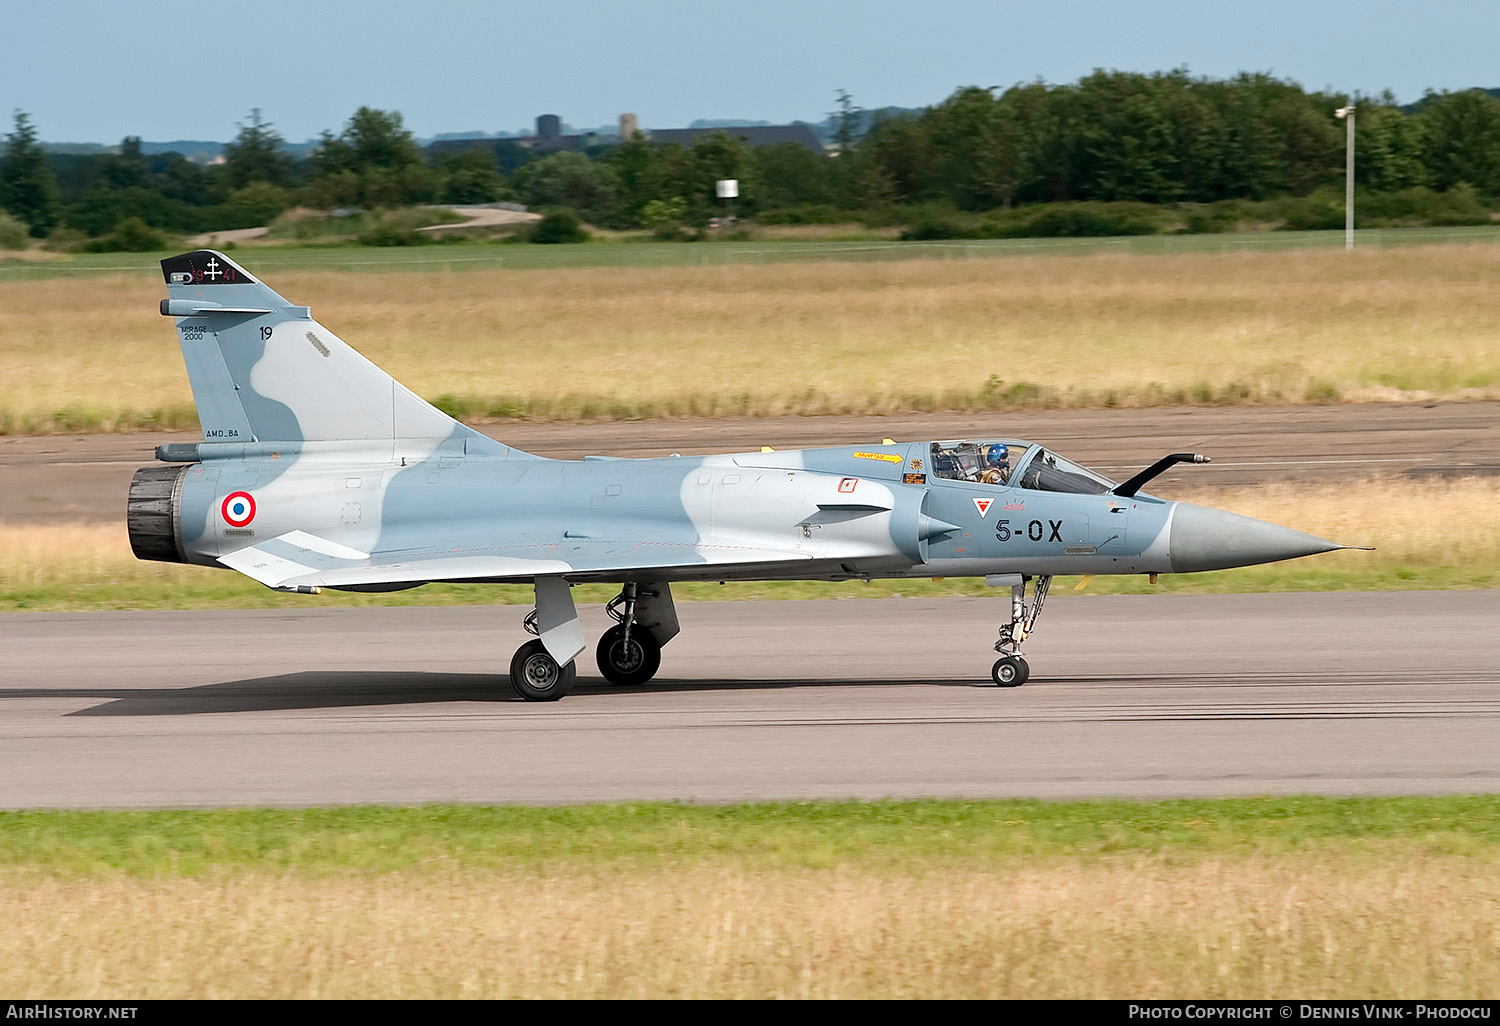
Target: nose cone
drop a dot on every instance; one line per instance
(1211, 539)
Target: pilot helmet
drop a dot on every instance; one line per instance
(998, 454)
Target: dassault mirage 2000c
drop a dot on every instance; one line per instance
(318, 470)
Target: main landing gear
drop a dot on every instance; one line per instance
(1011, 670)
(627, 653)
(537, 677)
(545, 670)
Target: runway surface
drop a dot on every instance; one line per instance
(85, 477)
(1394, 693)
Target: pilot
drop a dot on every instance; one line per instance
(997, 465)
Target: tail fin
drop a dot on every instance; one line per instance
(262, 370)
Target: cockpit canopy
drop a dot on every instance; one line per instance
(1013, 463)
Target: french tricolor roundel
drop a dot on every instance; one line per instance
(238, 509)
(983, 505)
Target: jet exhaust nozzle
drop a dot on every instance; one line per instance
(152, 509)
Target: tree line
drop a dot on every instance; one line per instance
(1162, 138)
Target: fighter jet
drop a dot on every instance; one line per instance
(319, 470)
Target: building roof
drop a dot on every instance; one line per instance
(754, 135)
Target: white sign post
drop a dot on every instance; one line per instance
(1346, 114)
(727, 189)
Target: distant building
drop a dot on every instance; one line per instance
(758, 135)
(549, 137)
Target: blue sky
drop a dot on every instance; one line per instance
(95, 71)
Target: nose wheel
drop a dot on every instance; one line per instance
(1011, 670)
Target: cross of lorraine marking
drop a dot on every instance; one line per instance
(213, 269)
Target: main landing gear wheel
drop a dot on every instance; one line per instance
(536, 676)
(1010, 672)
(624, 663)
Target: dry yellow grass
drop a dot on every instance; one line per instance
(1423, 522)
(1314, 927)
(830, 337)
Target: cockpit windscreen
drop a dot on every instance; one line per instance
(1049, 472)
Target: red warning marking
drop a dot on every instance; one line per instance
(983, 505)
(238, 509)
(848, 483)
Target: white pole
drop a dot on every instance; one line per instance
(1349, 183)
(1347, 114)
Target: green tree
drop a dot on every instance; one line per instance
(974, 142)
(664, 216)
(131, 235)
(26, 184)
(1311, 140)
(259, 202)
(847, 120)
(13, 232)
(1198, 136)
(126, 169)
(1463, 133)
(791, 175)
(711, 158)
(1128, 148)
(472, 177)
(1390, 146)
(257, 154)
(569, 179)
(1248, 162)
(642, 172)
(373, 162)
(558, 226)
(895, 163)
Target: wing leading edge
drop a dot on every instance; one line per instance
(298, 560)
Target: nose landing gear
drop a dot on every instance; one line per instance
(1011, 670)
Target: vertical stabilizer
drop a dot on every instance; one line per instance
(262, 370)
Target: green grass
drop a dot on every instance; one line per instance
(203, 588)
(478, 256)
(918, 835)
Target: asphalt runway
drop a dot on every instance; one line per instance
(1337, 693)
(84, 478)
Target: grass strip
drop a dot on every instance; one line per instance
(913, 836)
(1368, 898)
